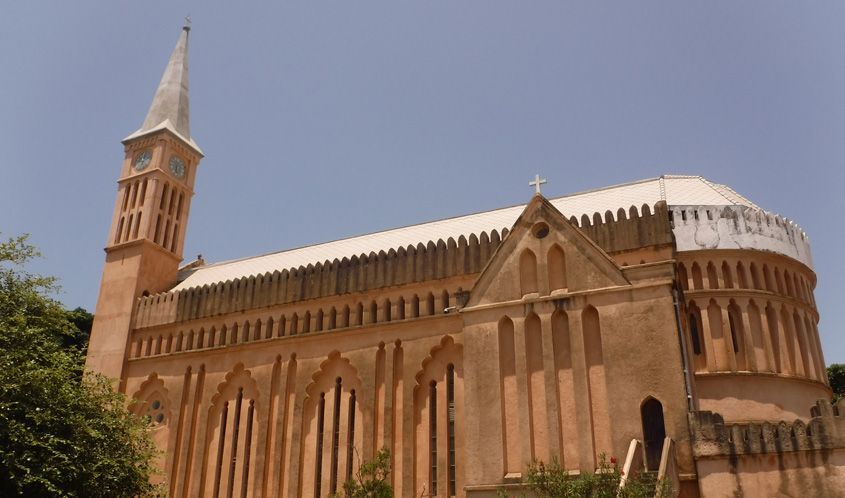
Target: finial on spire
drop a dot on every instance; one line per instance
(536, 183)
(187, 25)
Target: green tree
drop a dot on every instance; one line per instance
(62, 432)
(836, 377)
(553, 481)
(371, 479)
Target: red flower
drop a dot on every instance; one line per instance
(613, 460)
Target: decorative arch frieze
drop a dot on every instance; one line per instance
(333, 426)
(232, 435)
(438, 403)
(152, 401)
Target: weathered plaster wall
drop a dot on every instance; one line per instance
(771, 459)
(817, 474)
(738, 227)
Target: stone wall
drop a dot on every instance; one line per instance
(771, 459)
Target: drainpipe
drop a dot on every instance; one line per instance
(684, 356)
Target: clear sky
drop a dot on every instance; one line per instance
(322, 120)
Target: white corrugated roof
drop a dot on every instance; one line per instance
(675, 190)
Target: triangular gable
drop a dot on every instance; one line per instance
(584, 264)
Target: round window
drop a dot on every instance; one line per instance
(540, 230)
(155, 413)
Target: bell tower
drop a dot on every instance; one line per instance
(155, 186)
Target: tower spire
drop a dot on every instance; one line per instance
(170, 107)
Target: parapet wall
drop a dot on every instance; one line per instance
(405, 265)
(628, 231)
(713, 438)
(738, 227)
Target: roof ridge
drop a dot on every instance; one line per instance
(431, 222)
(719, 188)
(635, 193)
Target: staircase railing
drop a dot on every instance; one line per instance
(667, 473)
(634, 462)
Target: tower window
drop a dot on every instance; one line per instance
(179, 206)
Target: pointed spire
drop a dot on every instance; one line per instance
(170, 108)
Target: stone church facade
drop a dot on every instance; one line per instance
(669, 323)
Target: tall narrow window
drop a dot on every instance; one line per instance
(693, 330)
(557, 268)
(450, 400)
(350, 440)
(247, 447)
(335, 435)
(119, 230)
(179, 207)
(126, 197)
(156, 237)
(128, 227)
(163, 196)
(143, 192)
(166, 234)
(527, 272)
(332, 318)
(734, 340)
(318, 460)
(432, 441)
(221, 442)
(235, 429)
(175, 237)
(172, 202)
(134, 195)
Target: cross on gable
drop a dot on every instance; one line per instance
(536, 183)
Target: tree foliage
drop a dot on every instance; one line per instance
(62, 432)
(836, 377)
(372, 479)
(553, 481)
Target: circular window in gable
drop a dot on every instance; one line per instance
(540, 230)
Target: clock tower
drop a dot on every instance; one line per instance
(155, 186)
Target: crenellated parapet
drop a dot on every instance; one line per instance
(738, 227)
(434, 260)
(360, 273)
(713, 438)
(628, 230)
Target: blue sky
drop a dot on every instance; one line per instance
(322, 120)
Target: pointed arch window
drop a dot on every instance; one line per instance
(695, 333)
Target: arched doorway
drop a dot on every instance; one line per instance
(654, 431)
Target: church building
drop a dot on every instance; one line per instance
(669, 323)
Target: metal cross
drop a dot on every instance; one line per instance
(537, 182)
(188, 20)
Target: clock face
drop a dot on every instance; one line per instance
(142, 160)
(177, 166)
